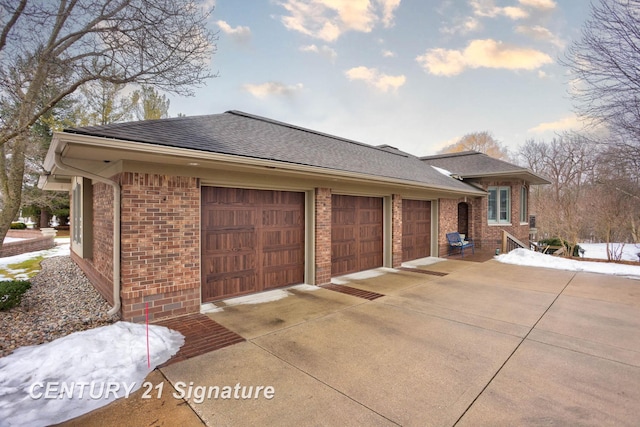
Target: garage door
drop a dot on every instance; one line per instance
(416, 229)
(252, 240)
(356, 234)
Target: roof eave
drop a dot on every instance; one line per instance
(62, 139)
(526, 175)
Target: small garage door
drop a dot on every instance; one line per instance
(416, 229)
(356, 234)
(252, 240)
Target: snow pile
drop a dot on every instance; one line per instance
(87, 364)
(536, 259)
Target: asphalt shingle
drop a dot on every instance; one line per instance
(241, 134)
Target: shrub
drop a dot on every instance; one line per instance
(18, 226)
(556, 241)
(11, 292)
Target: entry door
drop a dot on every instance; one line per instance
(252, 240)
(463, 218)
(356, 234)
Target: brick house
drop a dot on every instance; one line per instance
(184, 211)
(505, 206)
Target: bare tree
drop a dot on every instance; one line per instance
(604, 67)
(569, 163)
(149, 104)
(162, 43)
(482, 142)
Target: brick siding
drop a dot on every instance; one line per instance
(160, 245)
(396, 230)
(485, 236)
(102, 253)
(36, 242)
(323, 235)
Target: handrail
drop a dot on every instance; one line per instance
(510, 242)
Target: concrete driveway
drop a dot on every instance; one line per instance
(487, 344)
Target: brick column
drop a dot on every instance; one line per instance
(447, 222)
(323, 235)
(396, 230)
(160, 246)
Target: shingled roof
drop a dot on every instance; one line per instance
(241, 134)
(472, 164)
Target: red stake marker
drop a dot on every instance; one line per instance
(146, 309)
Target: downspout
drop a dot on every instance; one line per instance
(116, 224)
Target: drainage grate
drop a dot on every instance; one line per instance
(201, 335)
(352, 291)
(418, 270)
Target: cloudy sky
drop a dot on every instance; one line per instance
(414, 74)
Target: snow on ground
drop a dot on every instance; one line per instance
(599, 250)
(259, 298)
(13, 239)
(422, 262)
(76, 374)
(537, 259)
(362, 275)
(62, 248)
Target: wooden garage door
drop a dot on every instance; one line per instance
(356, 234)
(416, 229)
(252, 240)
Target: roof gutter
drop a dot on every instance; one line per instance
(175, 152)
(116, 224)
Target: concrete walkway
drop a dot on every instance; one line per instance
(487, 344)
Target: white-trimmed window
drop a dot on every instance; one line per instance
(82, 217)
(524, 205)
(499, 205)
(76, 213)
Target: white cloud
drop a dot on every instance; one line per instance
(566, 123)
(324, 50)
(538, 32)
(442, 62)
(371, 76)
(388, 8)
(542, 74)
(488, 9)
(239, 34)
(482, 54)
(388, 54)
(462, 26)
(539, 4)
(264, 90)
(329, 19)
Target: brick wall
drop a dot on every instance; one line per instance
(447, 222)
(160, 246)
(36, 242)
(102, 253)
(323, 235)
(98, 265)
(485, 236)
(396, 230)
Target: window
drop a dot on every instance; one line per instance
(76, 217)
(82, 217)
(499, 205)
(524, 195)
